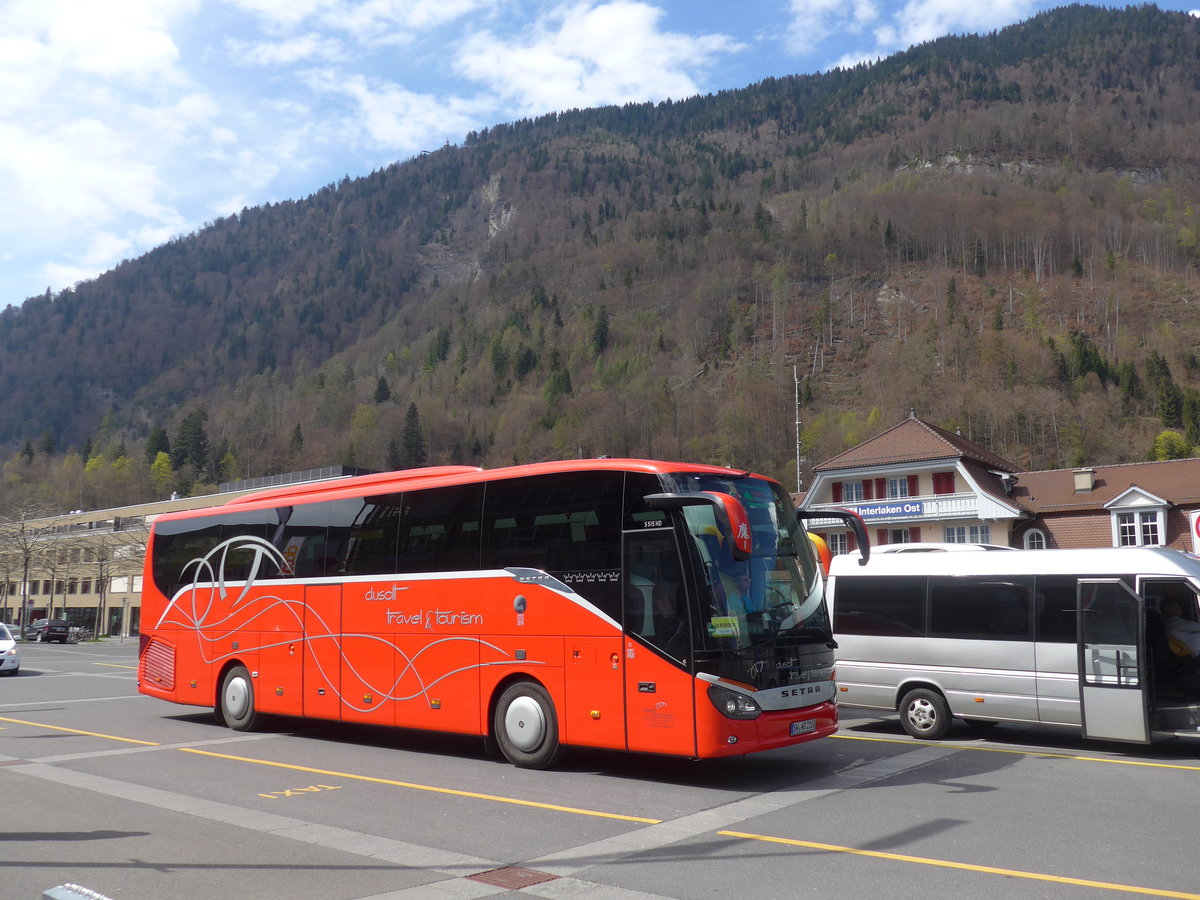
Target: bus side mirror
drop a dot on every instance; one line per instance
(851, 519)
(728, 509)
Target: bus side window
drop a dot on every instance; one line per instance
(567, 525)
(439, 529)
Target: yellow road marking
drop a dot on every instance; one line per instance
(426, 787)
(948, 864)
(115, 666)
(108, 737)
(1097, 759)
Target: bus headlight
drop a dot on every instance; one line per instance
(732, 704)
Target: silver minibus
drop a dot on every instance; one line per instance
(1063, 637)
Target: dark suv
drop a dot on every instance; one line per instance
(50, 630)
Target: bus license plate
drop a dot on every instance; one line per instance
(804, 727)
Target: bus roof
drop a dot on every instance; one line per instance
(440, 476)
(1099, 561)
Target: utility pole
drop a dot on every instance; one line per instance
(796, 379)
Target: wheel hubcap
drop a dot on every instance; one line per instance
(525, 724)
(236, 694)
(922, 715)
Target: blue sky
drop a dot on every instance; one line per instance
(124, 123)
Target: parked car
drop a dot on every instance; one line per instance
(34, 630)
(10, 656)
(43, 630)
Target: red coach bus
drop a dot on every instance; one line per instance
(586, 603)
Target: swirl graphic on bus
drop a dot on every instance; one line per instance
(226, 597)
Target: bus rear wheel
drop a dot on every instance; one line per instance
(237, 699)
(925, 714)
(525, 726)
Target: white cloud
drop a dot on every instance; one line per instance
(815, 20)
(925, 20)
(132, 42)
(391, 117)
(287, 51)
(898, 28)
(589, 54)
(371, 21)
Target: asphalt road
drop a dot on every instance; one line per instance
(137, 799)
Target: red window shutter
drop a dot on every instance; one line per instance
(880, 488)
(881, 536)
(851, 540)
(914, 534)
(943, 482)
(837, 491)
(867, 492)
(912, 485)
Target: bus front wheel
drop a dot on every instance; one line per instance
(526, 726)
(925, 714)
(237, 699)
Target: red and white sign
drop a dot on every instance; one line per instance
(1194, 521)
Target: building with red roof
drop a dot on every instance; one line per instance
(916, 482)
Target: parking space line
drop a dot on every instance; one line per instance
(427, 787)
(969, 867)
(108, 737)
(1042, 753)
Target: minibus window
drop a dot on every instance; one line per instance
(888, 606)
(985, 609)
(1054, 609)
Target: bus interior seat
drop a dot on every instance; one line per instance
(1168, 668)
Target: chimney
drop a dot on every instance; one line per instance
(1085, 480)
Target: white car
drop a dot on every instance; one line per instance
(10, 656)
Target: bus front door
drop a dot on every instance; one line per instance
(1113, 681)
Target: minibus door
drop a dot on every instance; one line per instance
(1113, 679)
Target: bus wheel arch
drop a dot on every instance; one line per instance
(924, 712)
(235, 704)
(524, 723)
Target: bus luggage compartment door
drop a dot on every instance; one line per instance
(1112, 662)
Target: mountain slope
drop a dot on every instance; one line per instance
(997, 231)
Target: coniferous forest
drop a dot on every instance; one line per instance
(1000, 233)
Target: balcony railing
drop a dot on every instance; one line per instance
(930, 507)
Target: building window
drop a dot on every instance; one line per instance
(899, 536)
(1150, 530)
(852, 492)
(963, 534)
(1035, 539)
(837, 543)
(1138, 529)
(897, 487)
(943, 482)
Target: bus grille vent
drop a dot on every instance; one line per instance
(158, 665)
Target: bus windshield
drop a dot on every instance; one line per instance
(776, 596)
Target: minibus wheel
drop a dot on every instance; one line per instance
(525, 726)
(924, 713)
